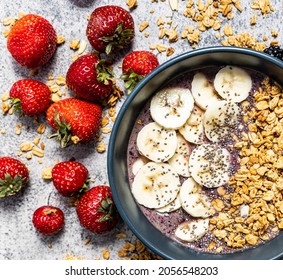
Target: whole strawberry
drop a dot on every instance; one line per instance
(136, 65)
(48, 220)
(96, 210)
(14, 175)
(75, 120)
(89, 78)
(110, 27)
(30, 97)
(32, 41)
(69, 177)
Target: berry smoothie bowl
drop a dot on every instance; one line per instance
(194, 159)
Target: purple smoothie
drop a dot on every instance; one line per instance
(168, 222)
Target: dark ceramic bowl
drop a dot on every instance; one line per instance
(117, 150)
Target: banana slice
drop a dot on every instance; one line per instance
(156, 185)
(190, 231)
(180, 160)
(220, 118)
(233, 83)
(171, 107)
(138, 164)
(172, 206)
(156, 143)
(193, 130)
(203, 91)
(194, 201)
(209, 165)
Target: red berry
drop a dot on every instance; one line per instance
(48, 220)
(74, 119)
(30, 97)
(14, 175)
(110, 27)
(136, 65)
(69, 177)
(32, 41)
(96, 210)
(89, 78)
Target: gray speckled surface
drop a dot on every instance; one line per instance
(18, 239)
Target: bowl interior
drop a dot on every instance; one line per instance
(117, 150)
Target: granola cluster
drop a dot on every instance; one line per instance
(252, 212)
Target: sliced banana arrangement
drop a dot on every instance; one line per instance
(193, 130)
(156, 185)
(190, 231)
(182, 151)
(194, 201)
(138, 164)
(171, 107)
(220, 118)
(172, 206)
(209, 165)
(180, 160)
(203, 91)
(157, 143)
(233, 83)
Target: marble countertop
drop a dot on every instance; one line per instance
(18, 238)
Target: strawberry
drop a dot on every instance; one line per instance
(14, 175)
(96, 210)
(69, 177)
(32, 41)
(110, 27)
(48, 220)
(75, 120)
(89, 78)
(30, 97)
(136, 65)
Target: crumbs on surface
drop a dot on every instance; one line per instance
(132, 3)
(70, 257)
(47, 173)
(204, 16)
(114, 96)
(60, 39)
(130, 250)
(136, 251)
(55, 85)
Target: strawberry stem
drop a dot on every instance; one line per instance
(16, 104)
(131, 79)
(10, 186)
(104, 73)
(107, 208)
(120, 38)
(50, 212)
(64, 133)
(84, 188)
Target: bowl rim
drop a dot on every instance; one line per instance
(123, 109)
